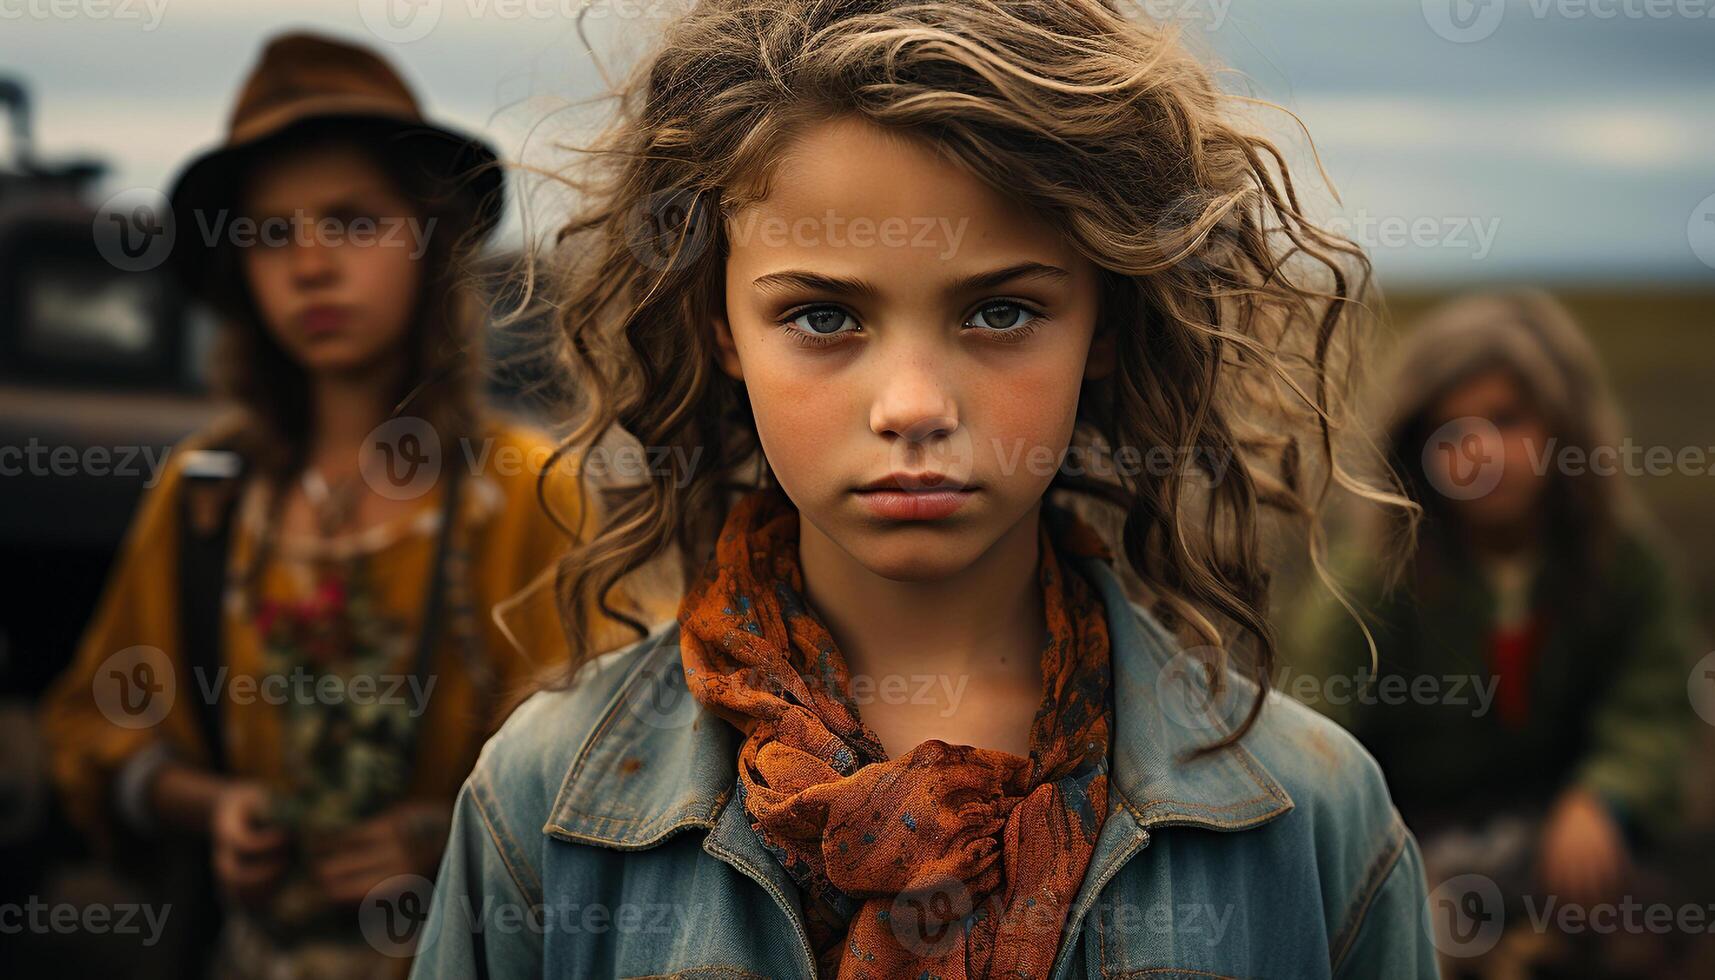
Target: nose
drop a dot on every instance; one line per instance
(313, 263)
(914, 402)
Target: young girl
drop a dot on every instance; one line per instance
(313, 730)
(893, 273)
(1539, 586)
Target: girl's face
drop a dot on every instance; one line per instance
(1515, 437)
(913, 344)
(334, 267)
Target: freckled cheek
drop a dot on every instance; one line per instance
(1022, 408)
(802, 417)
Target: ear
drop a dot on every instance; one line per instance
(1102, 349)
(726, 351)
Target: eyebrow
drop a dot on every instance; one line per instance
(815, 281)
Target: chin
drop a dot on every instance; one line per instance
(1501, 522)
(916, 554)
(336, 357)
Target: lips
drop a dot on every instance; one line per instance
(323, 319)
(914, 482)
(915, 496)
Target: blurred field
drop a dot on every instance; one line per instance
(1659, 347)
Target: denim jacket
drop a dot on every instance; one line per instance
(599, 836)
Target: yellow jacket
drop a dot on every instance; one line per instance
(131, 654)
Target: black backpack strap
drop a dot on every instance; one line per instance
(435, 595)
(207, 504)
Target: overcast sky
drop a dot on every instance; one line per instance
(1568, 140)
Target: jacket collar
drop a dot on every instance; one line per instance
(658, 762)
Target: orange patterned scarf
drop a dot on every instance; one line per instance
(949, 861)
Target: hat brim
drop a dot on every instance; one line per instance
(457, 164)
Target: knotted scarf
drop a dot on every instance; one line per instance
(949, 861)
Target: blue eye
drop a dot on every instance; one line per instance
(1003, 317)
(822, 321)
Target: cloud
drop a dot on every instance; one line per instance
(1632, 135)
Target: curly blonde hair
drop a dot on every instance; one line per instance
(1236, 317)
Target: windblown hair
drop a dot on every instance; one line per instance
(1236, 317)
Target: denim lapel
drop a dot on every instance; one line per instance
(658, 762)
(735, 843)
(1162, 712)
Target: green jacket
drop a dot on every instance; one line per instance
(1608, 706)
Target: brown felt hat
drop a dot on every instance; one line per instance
(305, 84)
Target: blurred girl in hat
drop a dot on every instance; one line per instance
(381, 553)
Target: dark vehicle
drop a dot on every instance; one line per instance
(99, 378)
